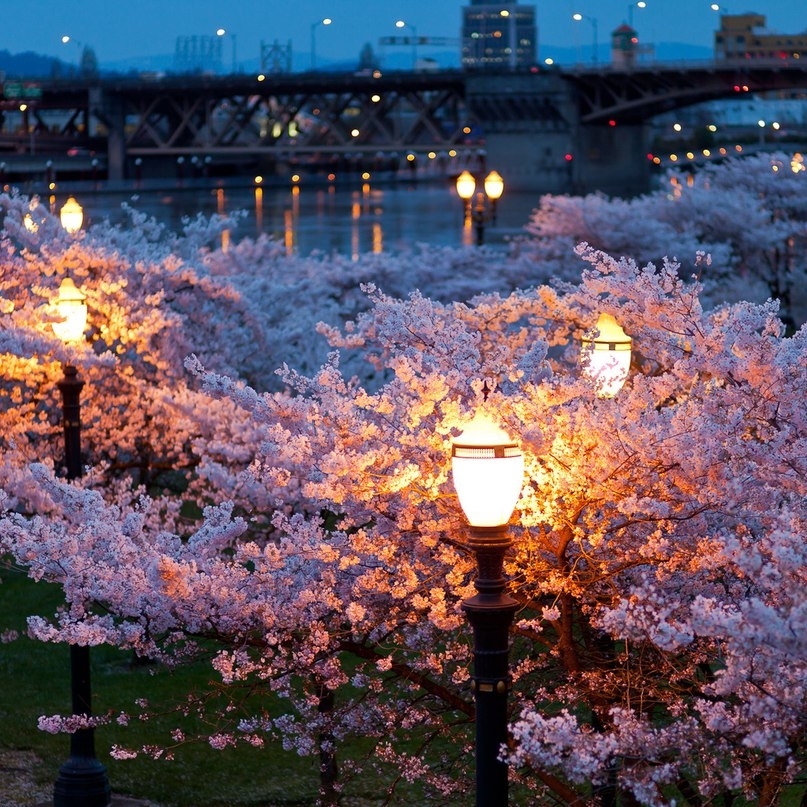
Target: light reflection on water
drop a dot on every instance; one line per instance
(327, 219)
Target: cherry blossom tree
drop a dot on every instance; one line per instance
(749, 213)
(659, 650)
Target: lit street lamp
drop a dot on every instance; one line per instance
(577, 17)
(639, 4)
(314, 26)
(66, 40)
(484, 207)
(606, 356)
(222, 32)
(494, 188)
(487, 468)
(402, 24)
(466, 187)
(71, 215)
(82, 779)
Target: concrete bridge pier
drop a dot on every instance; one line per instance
(611, 159)
(531, 159)
(535, 139)
(110, 112)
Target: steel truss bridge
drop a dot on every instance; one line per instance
(266, 120)
(648, 90)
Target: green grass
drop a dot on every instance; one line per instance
(34, 681)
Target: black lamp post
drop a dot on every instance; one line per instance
(82, 780)
(487, 469)
(314, 26)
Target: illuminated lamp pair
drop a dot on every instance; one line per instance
(484, 207)
(71, 217)
(493, 184)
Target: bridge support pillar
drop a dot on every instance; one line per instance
(535, 139)
(611, 159)
(531, 159)
(111, 114)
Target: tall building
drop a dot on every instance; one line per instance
(498, 35)
(744, 36)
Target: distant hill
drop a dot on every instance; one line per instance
(661, 52)
(30, 65)
(34, 65)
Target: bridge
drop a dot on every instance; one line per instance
(547, 129)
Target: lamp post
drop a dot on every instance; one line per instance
(222, 32)
(466, 187)
(71, 215)
(403, 24)
(484, 208)
(66, 40)
(82, 779)
(577, 17)
(606, 355)
(494, 188)
(314, 26)
(639, 4)
(487, 468)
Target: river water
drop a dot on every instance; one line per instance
(320, 218)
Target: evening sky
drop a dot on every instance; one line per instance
(128, 29)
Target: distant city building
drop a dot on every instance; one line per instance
(496, 36)
(744, 36)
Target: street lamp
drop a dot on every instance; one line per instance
(314, 26)
(71, 215)
(484, 208)
(494, 188)
(606, 355)
(402, 24)
(639, 4)
(577, 17)
(222, 32)
(487, 469)
(82, 779)
(71, 304)
(466, 187)
(66, 40)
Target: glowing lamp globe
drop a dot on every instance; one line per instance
(71, 303)
(487, 468)
(71, 215)
(466, 185)
(606, 356)
(494, 186)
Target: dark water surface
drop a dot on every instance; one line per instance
(347, 220)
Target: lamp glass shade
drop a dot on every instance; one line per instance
(71, 304)
(487, 468)
(606, 356)
(494, 185)
(466, 185)
(71, 215)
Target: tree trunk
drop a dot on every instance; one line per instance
(328, 769)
